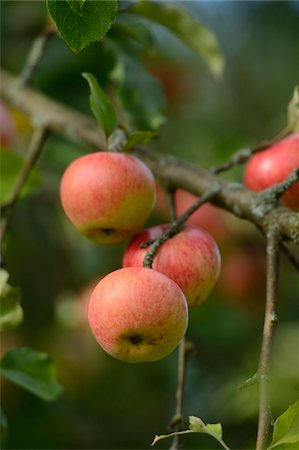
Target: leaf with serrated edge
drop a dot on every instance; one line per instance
(80, 30)
(293, 111)
(34, 371)
(182, 24)
(286, 427)
(100, 105)
(196, 424)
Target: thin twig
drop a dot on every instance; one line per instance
(177, 419)
(34, 150)
(176, 226)
(249, 382)
(243, 155)
(270, 323)
(170, 199)
(35, 55)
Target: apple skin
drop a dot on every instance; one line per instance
(138, 314)
(272, 166)
(191, 258)
(107, 196)
(7, 128)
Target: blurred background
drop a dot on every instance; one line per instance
(107, 403)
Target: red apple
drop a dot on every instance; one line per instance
(7, 128)
(138, 314)
(271, 166)
(191, 258)
(107, 196)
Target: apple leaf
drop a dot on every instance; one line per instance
(100, 105)
(11, 165)
(185, 27)
(141, 94)
(286, 429)
(76, 6)
(196, 425)
(293, 111)
(135, 31)
(11, 313)
(34, 371)
(139, 138)
(82, 22)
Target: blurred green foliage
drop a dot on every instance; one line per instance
(106, 403)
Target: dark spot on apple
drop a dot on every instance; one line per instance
(108, 231)
(135, 339)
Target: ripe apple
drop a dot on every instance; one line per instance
(191, 258)
(107, 196)
(7, 128)
(138, 314)
(273, 165)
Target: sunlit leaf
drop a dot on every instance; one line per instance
(196, 425)
(100, 105)
(33, 371)
(198, 37)
(11, 313)
(286, 429)
(81, 23)
(293, 111)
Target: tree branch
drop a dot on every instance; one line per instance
(84, 130)
(35, 147)
(270, 323)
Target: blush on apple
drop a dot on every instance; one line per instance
(191, 258)
(271, 166)
(107, 196)
(138, 314)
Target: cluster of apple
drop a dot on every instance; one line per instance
(137, 314)
(140, 314)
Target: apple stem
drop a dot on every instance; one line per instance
(270, 323)
(38, 138)
(177, 225)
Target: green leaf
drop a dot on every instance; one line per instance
(31, 370)
(100, 105)
(76, 6)
(136, 31)
(139, 138)
(286, 428)
(293, 111)
(196, 425)
(82, 22)
(141, 94)
(11, 165)
(182, 24)
(11, 313)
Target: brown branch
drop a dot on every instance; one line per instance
(270, 323)
(176, 226)
(35, 147)
(84, 130)
(35, 55)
